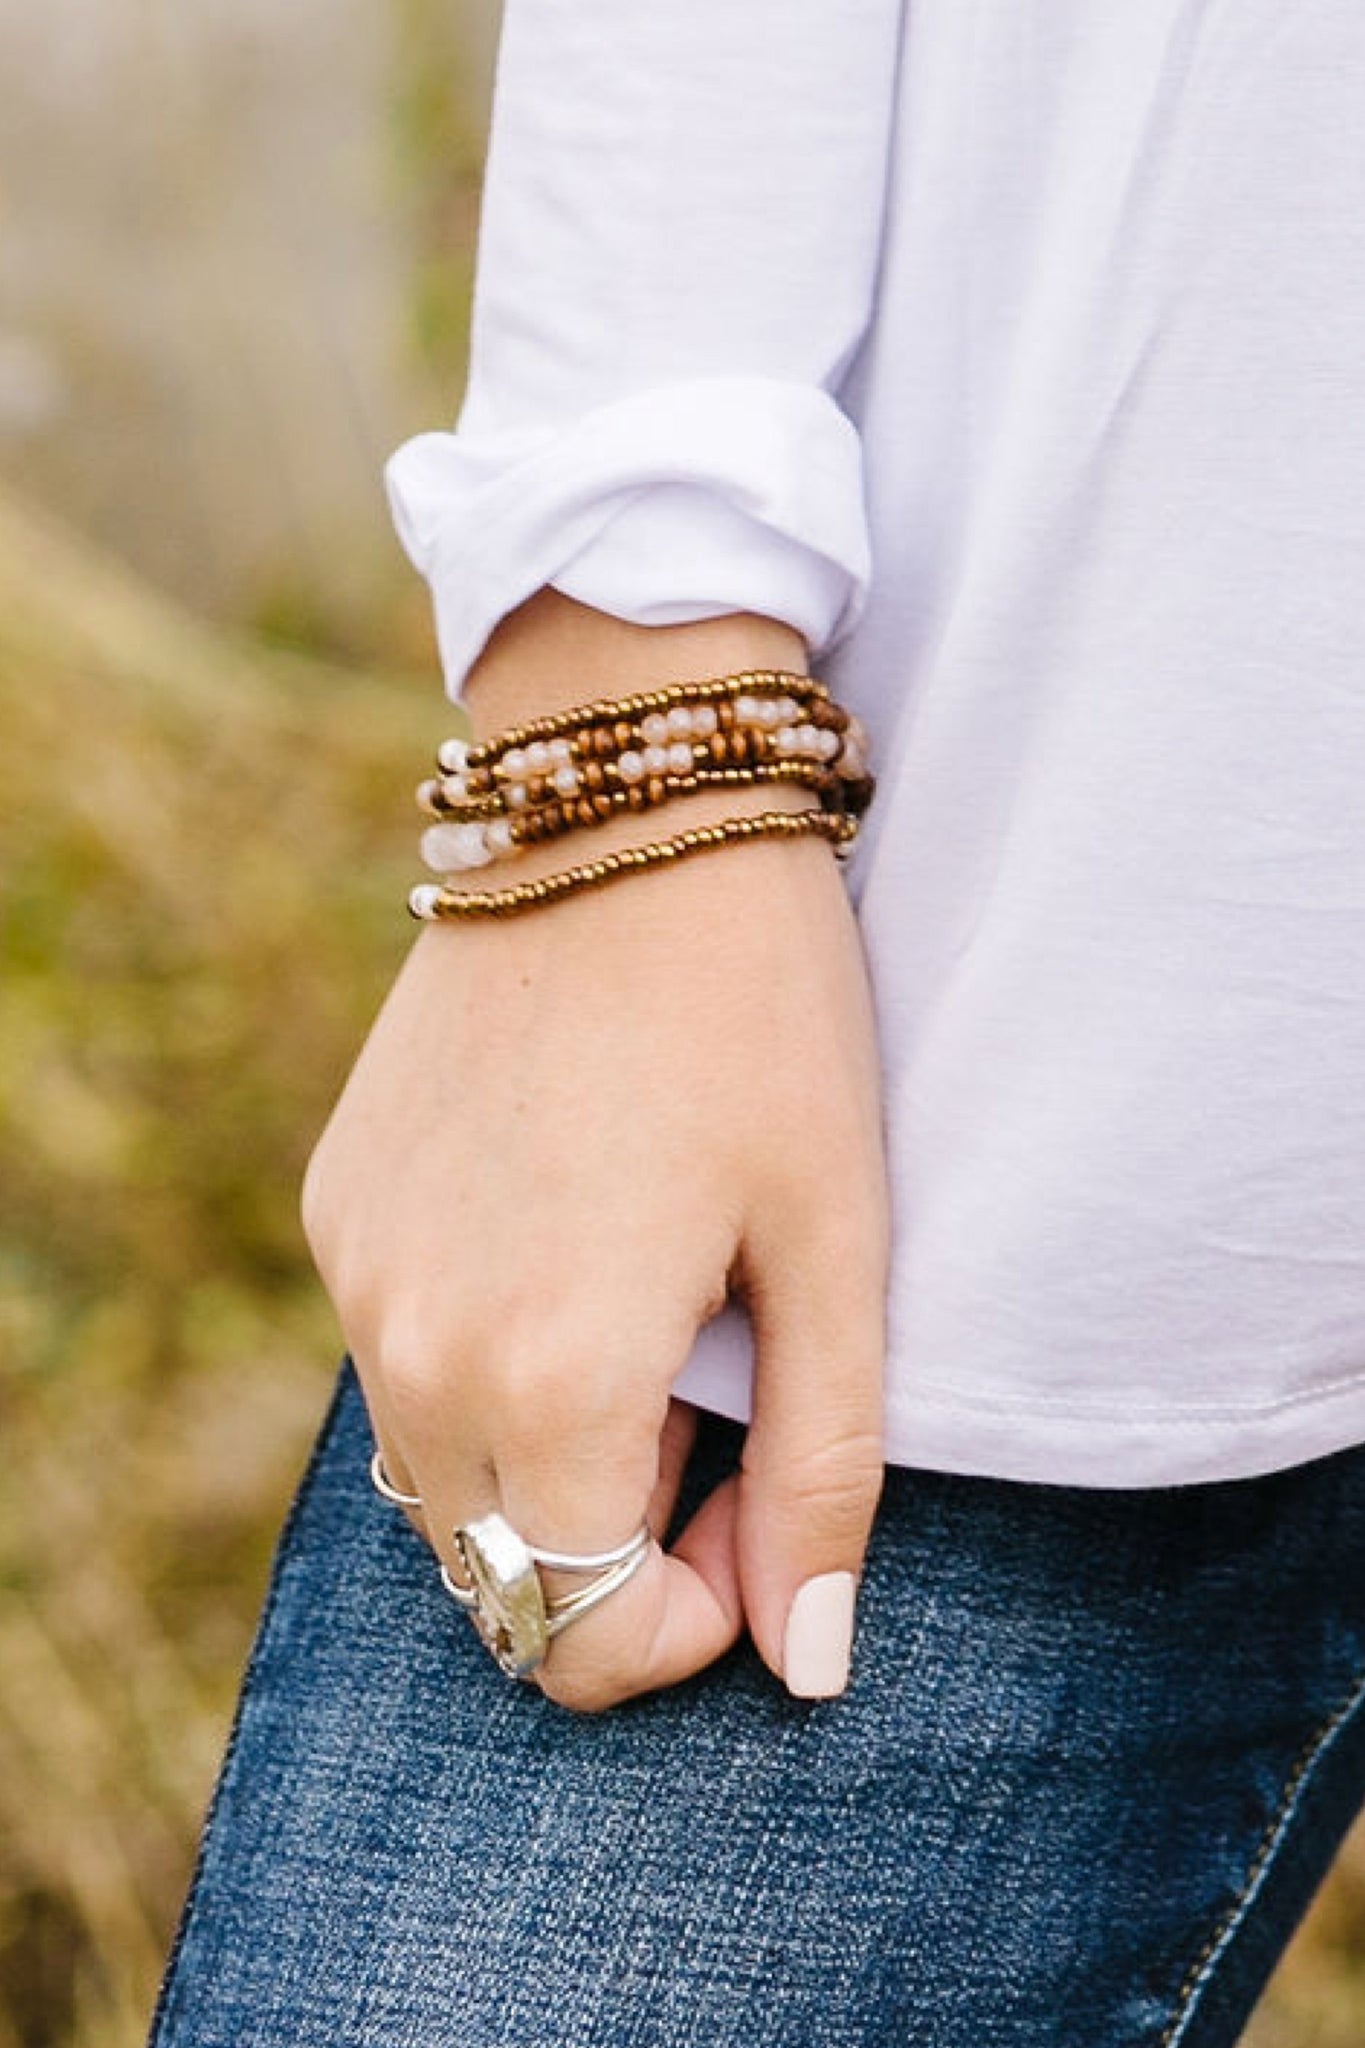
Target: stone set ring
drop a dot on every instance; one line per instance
(505, 1597)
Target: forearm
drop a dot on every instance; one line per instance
(552, 653)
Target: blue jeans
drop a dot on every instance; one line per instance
(1098, 1750)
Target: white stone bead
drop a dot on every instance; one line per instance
(427, 792)
(829, 742)
(655, 760)
(475, 846)
(537, 758)
(679, 720)
(680, 757)
(440, 849)
(704, 720)
(566, 780)
(654, 728)
(851, 760)
(630, 766)
(785, 738)
(422, 900)
(498, 833)
(453, 755)
(447, 848)
(790, 709)
(807, 738)
(516, 795)
(561, 749)
(746, 709)
(456, 787)
(513, 763)
(770, 713)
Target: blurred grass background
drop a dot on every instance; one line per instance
(235, 250)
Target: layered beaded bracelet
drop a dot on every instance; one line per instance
(580, 767)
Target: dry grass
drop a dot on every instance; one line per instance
(205, 849)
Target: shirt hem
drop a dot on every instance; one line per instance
(1047, 1446)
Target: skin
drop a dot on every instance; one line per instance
(567, 1137)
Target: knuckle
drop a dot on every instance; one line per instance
(833, 1486)
(533, 1385)
(412, 1366)
(554, 1389)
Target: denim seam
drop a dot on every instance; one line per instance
(1201, 1971)
(272, 1598)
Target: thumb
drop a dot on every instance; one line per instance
(812, 1467)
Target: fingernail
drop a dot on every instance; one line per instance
(819, 1640)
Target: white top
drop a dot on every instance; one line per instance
(1016, 356)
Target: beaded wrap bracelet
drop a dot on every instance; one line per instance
(430, 901)
(579, 767)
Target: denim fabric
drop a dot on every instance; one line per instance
(1098, 1750)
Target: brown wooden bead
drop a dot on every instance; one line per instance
(655, 788)
(592, 775)
(636, 799)
(623, 732)
(584, 811)
(603, 806)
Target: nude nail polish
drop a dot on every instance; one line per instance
(819, 1639)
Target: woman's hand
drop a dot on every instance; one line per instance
(568, 1135)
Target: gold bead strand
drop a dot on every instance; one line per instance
(432, 903)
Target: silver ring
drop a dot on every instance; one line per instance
(507, 1601)
(592, 1560)
(384, 1486)
(560, 1612)
(465, 1595)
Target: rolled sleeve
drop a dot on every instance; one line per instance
(677, 257)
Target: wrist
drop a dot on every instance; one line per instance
(553, 653)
